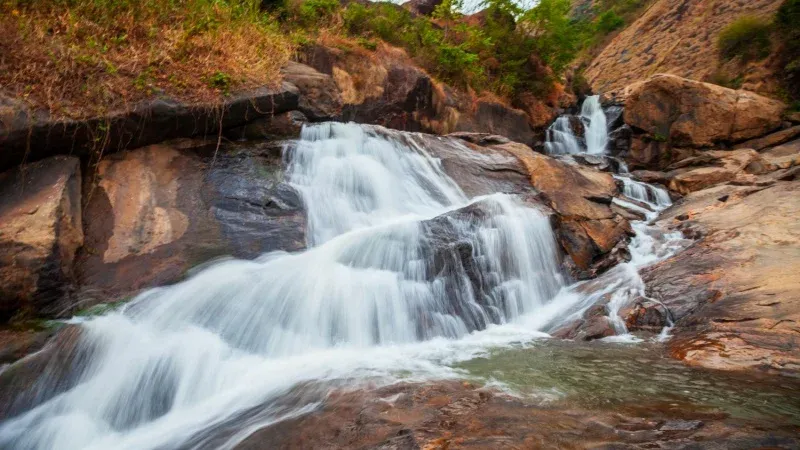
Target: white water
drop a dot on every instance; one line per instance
(561, 139)
(377, 293)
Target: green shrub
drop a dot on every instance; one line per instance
(313, 12)
(608, 21)
(747, 37)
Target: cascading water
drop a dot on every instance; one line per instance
(404, 274)
(561, 139)
(596, 126)
(386, 266)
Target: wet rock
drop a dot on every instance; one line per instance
(40, 232)
(450, 414)
(157, 211)
(619, 140)
(650, 176)
(645, 315)
(285, 125)
(733, 294)
(478, 170)
(688, 113)
(319, 98)
(43, 375)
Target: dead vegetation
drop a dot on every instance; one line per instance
(80, 58)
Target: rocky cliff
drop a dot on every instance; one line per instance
(679, 38)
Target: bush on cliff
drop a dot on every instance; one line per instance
(747, 37)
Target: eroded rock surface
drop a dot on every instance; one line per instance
(735, 293)
(157, 211)
(40, 232)
(677, 37)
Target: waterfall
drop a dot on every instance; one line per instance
(561, 138)
(398, 255)
(403, 274)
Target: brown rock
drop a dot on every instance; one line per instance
(687, 113)
(726, 166)
(734, 294)
(319, 97)
(771, 140)
(451, 414)
(40, 231)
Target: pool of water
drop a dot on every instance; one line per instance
(613, 375)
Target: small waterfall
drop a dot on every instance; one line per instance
(561, 139)
(596, 126)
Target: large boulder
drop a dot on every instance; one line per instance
(319, 98)
(155, 212)
(688, 113)
(40, 232)
(735, 293)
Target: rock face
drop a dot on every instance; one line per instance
(688, 113)
(157, 211)
(40, 231)
(667, 39)
(386, 88)
(735, 294)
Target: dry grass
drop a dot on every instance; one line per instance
(79, 58)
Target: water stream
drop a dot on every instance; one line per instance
(404, 277)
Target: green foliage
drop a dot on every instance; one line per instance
(608, 21)
(557, 41)
(747, 37)
(312, 12)
(220, 81)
